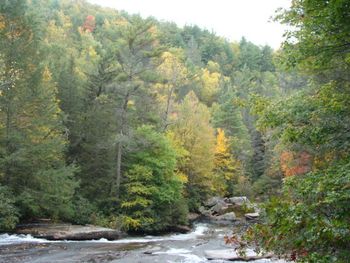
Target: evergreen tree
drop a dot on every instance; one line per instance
(33, 163)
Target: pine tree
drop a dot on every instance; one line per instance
(33, 163)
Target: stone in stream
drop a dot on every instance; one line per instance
(213, 201)
(251, 216)
(219, 208)
(232, 255)
(69, 232)
(226, 217)
(152, 250)
(193, 217)
(239, 200)
(180, 229)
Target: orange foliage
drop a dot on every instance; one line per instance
(89, 24)
(295, 163)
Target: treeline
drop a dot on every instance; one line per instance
(310, 220)
(112, 119)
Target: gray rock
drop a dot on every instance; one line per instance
(152, 250)
(204, 211)
(219, 207)
(193, 216)
(213, 201)
(180, 229)
(232, 255)
(239, 200)
(251, 216)
(227, 217)
(69, 232)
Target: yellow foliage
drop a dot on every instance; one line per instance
(47, 76)
(92, 53)
(221, 142)
(2, 22)
(183, 178)
(210, 85)
(227, 168)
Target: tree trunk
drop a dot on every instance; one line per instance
(167, 109)
(120, 145)
(118, 169)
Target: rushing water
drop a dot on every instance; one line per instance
(184, 248)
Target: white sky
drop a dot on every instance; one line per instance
(231, 19)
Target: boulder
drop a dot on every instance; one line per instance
(219, 208)
(204, 211)
(251, 216)
(213, 201)
(181, 229)
(69, 232)
(227, 217)
(239, 200)
(232, 255)
(193, 217)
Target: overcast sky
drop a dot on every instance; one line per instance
(231, 19)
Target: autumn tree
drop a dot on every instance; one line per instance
(228, 171)
(174, 75)
(192, 128)
(137, 50)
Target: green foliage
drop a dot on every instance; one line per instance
(153, 190)
(80, 88)
(83, 211)
(310, 221)
(193, 130)
(32, 137)
(318, 118)
(322, 34)
(8, 211)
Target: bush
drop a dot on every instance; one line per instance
(310, 222)
(152, 200)
(83, 210)
(8, 211)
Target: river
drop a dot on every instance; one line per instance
(185, 248)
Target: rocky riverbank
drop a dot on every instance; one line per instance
(197, 246)
(228, 210)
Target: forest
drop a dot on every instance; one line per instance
(112, 119)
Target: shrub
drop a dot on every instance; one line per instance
(310, 222)
(8, 211)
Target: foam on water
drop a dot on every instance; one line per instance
(6, 239)
(173, 251)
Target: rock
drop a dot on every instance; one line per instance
(219, 207)
(193, 216)
(239, 200)
(232, 255)
(69, 232)
(152, 250)
(227, 217)
(181, 229)
(204, 211)
(251, 216)
(213, 201)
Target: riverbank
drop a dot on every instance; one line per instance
(184, 248)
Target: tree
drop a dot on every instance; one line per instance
(32, 162)
(137, 50)
(192, 128)
(152, 200)
(313, 121)
(227, 170)
(174, 75)
(322, 34)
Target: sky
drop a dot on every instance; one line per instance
(231, 19)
